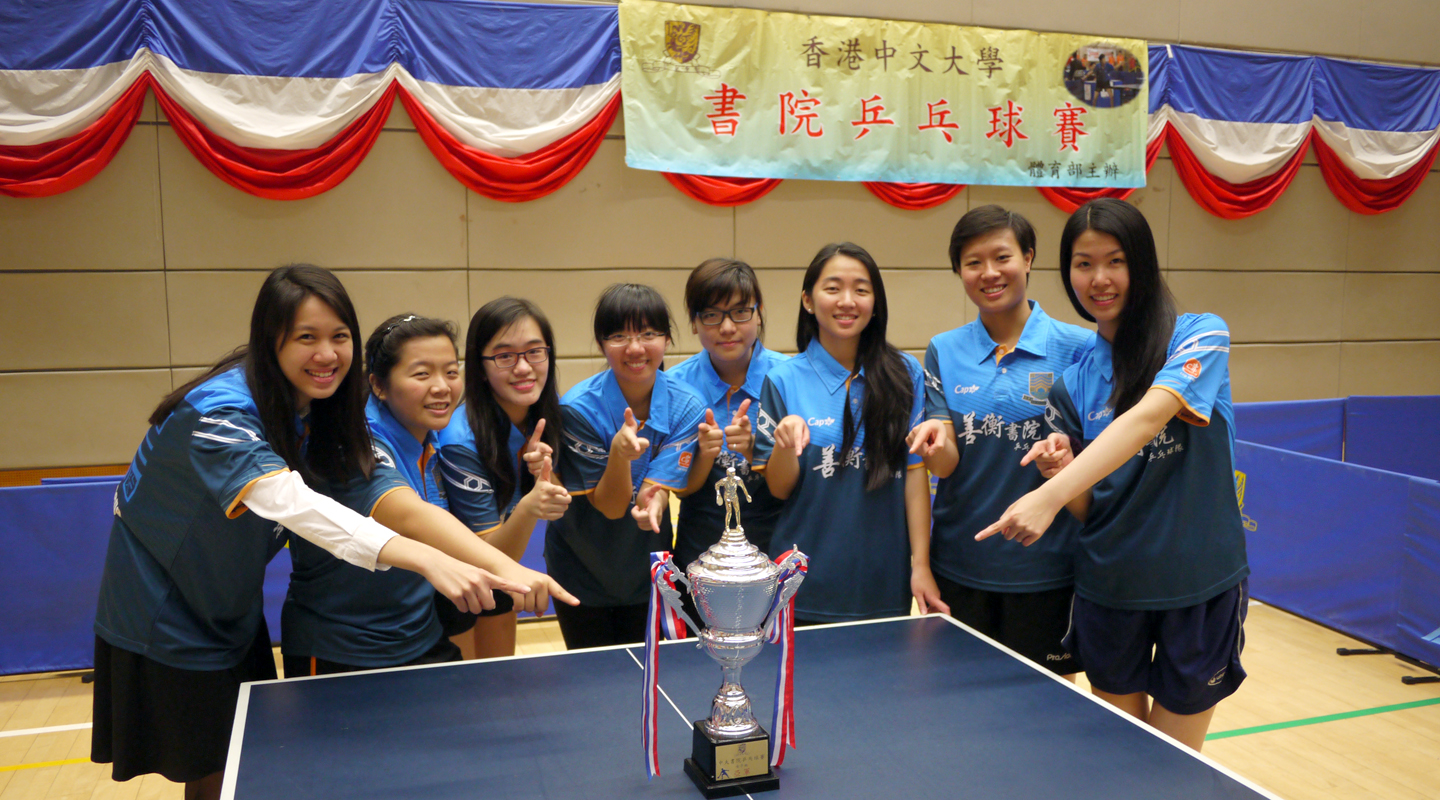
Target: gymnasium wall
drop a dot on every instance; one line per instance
(114, 293)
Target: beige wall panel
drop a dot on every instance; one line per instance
(123, 399)
(955, 12)
(608, 216)
(150, 110)
(1399, 30)
(1304, 230)
(183, 375)
(922, 304)
(1139, 19)
(111, 222)
(1316, 26)
(1392, 306)
(209, 313)
(568, 299)
(786, 227)
(399, 119)
(574, 370)
(1389, 368)
(83, 320)
(1265, 372)
(782, 305)
(379, 295)
(1266, 306)
(1406, 239)
(399, 209)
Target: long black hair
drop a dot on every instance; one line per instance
(387, 341)
(338, 446)
(1147, 322)
(889, 392)
(488, 421)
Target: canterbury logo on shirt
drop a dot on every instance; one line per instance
(585, 449)
(225, 431)
(468, 481)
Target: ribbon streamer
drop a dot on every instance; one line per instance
(661, 617)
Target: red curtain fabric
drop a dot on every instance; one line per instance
(280, 174)
(717, 191)
(1068, 199)
(914, 196)
(42, 170)
(1367, 196)
(1231, 200)
(513, 180)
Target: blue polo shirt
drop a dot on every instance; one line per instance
(857, 540)
(342, 613)
(601, 561)
(996, 401)
(186, 564)
(468, 481)
(1164, 529)
(701, 519)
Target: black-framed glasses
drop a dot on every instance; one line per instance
(624, 339)
(535, 355)
(711, 317)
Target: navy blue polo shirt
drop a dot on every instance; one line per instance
(186, 564)
(1164, 529)
(468, 481)
(701, 519)
(857, 540)
(601, 561)
(346, 614)
(996, 401)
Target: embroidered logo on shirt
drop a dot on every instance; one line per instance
(1192, 368)
(1040, 383)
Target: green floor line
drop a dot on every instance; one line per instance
(1295, 723)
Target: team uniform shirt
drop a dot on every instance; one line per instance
(342, 613)
(1163, 530)
(601, 561)
(996, 401)
(702, 520)
(468, 481)
(857, 540)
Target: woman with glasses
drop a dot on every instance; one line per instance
(629, 440)
(511, 416)
(726, 312)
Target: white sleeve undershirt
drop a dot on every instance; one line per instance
(345, 534)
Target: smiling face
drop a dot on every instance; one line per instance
(316, 354)
(1100, 278)
(424, 386)
(635, 356)
(995, 271)
(517, 388)
(730, 342)
(842, 300)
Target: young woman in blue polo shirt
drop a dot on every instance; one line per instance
(830, 439)
(986, 386)
(629, 440)
(179, 624)
(1161, 559)
(496, 453)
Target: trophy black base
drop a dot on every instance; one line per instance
(713, 762)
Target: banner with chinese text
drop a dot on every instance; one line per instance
(755, 94)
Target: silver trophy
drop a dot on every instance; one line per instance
(739, 594)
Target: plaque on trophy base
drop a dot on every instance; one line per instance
(730, 767)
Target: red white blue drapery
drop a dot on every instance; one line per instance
(284, 99)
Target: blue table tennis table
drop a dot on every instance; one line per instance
(910, 707)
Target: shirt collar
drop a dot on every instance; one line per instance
(1032, 338)
(716, 388)
(383, 423)
(615, 403)
(1103, 355)
(832, 373)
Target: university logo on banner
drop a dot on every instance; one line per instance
(756, 94)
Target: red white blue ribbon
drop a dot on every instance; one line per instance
(661, 617)
(782, 632)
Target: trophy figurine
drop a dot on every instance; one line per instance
(739, 594)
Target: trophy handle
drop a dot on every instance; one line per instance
(671, 596)
(782, 597)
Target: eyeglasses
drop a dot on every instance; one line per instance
(538, 355)
(624, 339)
(714, 316)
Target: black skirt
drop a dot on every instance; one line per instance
(150, 717)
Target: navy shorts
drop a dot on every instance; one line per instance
(1032, 624)
(1196, 661)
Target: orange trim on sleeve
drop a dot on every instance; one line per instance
(658, 483)
(490, 530)
(1187, 414)
(378, 500)
(237, 508)
(582, 494)
(914, 466)
(758, 467)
